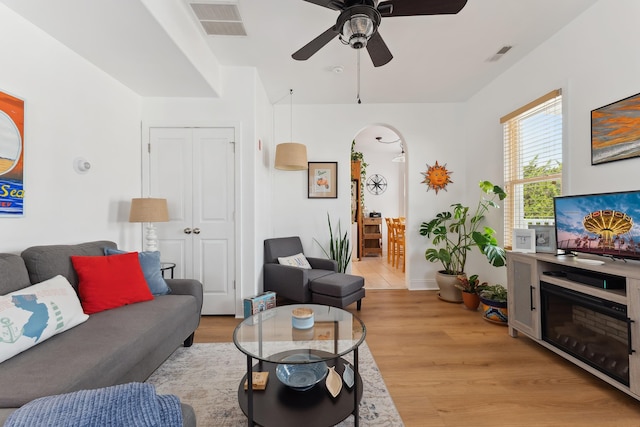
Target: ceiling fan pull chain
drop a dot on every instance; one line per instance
(358, 95)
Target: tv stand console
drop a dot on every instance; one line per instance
(548, 295)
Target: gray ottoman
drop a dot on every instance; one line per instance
(337, 290)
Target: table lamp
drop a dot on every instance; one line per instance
(149, 210)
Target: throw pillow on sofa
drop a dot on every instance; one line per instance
(297, 260)
(106, 282)
(150, 264)
(33, 314)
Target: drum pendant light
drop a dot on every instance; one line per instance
(291, 156)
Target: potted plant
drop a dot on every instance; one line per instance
(470, 287)
(339, 247)
(493, 300)
(454, 233)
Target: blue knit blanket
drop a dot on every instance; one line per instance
(132, 404)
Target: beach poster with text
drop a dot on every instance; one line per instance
(11, 155)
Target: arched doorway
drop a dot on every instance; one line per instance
(383, 187)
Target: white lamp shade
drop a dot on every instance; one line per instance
(291, 156)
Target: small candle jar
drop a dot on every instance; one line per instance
(302, 318)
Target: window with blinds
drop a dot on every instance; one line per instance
(532, 162)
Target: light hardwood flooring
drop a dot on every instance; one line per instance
(378, 273)
(445, 366)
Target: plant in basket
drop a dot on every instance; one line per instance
(494, 304)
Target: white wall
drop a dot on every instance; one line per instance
(262, 180)
(245, 106)
(431, 132)
(72, 109)
(594, 60)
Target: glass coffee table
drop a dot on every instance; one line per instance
(269, 337)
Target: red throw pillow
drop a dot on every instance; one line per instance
(106, 282)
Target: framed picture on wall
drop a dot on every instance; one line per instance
(615, 131)
(323, 180)
(11, 155)
(545, 236)
(523, 240)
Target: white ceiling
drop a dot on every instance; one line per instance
(436, 58)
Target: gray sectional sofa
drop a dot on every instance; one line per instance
(116, 346)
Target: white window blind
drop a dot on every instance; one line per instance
(532, 162)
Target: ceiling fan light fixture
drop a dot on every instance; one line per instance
(359, 20)
(357, 24)
(357, 31)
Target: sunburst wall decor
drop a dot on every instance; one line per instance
(437, 177)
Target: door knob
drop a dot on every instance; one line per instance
(196, 231)
(187, 230)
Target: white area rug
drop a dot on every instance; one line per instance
(206, 376)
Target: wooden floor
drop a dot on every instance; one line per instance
(445, 366)
(378, 273)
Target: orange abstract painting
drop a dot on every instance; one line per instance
(615, 131)
(11, 155)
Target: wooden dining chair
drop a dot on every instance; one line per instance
(390, 241)
(399, 236)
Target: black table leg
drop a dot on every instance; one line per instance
(356, 401)
(250, 421)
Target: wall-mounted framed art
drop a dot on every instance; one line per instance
(615, 131)
(323, 180)
(524, 240)
(437, 177)
(11, 156)
(545, 236)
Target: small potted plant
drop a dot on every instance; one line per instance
(470, 287)
(493, 300)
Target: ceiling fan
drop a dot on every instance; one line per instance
(358, 23)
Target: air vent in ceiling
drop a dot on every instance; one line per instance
(499, 54)
(219, 19)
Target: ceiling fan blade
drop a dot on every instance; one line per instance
(420, 7)
(315, 45)
(378, 50)
(331, 4)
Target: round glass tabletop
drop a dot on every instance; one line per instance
(270, 335)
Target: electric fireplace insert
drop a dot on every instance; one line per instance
(592, 329)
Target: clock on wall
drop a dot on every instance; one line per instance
(376, 184)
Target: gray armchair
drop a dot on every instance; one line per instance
(290, 282)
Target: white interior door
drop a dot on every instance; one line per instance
(193, 168)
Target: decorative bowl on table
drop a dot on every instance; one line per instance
(302, 318)
(301, 376)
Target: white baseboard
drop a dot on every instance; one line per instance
(423, 285)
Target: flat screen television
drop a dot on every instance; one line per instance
(606, 224)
